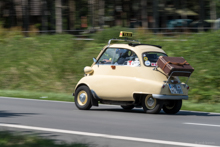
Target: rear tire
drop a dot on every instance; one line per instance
(172, 107)
(83, 98)
(127, 107)
(151, 105)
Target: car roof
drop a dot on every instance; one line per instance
(138, 48)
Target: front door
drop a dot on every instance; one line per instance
(117, 70)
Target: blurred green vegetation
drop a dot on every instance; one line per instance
(54, 63)
(188, 105)
(57, 96)
(13, 139)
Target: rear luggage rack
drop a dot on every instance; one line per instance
(176, 72)
(181, 76)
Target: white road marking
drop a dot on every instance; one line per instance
(198, 124)
(39, 100)
(52, 101)
(106, 136)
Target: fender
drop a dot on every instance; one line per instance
(95, 98)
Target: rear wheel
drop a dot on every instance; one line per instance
(127, 107)
(172, 107)
(83, 98)
(151, 105)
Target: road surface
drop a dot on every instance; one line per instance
(109, 126)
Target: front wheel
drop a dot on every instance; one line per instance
(83, 98)
(172, 107)
(151, 105)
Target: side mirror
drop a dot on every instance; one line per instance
(88, 70)
(94, 60)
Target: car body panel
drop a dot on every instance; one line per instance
(122, 82)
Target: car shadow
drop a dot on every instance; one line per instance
(141, 111)
(12, 114)
(118, 110)
(183, 112)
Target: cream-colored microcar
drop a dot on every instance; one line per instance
(127, 75)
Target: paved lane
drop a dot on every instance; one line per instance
(184, 127)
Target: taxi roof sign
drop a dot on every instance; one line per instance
(125, 34)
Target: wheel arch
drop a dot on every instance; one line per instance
(81, 84)
(138, 97)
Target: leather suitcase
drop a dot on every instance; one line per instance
(170, 64)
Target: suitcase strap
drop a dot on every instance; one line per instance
(176, 63)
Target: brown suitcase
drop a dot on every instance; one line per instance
(178, 65)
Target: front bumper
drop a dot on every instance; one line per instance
(170, 97)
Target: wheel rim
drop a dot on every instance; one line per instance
(150, 102)
(82, 98)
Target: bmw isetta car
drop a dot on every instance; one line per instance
(127, 75)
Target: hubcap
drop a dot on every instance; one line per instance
(150, 102)
(82, 98)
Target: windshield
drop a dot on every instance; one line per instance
(150, 58)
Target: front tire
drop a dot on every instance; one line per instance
(151, 105)
(172, 107)
(83, 98)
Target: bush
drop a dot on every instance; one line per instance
(54, 63)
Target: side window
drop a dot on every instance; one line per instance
(107, 57)
(150, 58)
(126, 57)
(118, 56)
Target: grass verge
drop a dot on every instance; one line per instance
(187, 104)
(204, 107)
(38, 95)
(10, 139)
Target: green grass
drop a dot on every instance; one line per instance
(54, 63)
(38, 95)
(47, 63)
(204, 107)
(13, 139)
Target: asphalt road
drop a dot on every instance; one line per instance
(109, 126)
